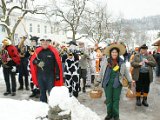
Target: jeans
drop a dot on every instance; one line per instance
(45, 85)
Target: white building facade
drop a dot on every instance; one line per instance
(34, 26)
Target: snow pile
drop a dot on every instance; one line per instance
(22, 110)
(60, 96)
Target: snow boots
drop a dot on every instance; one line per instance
(144, 102)
(108, 117)
(138, 102)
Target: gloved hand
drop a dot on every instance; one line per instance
(13, 69)
(57, 77)
(41, 64)
(97, 84)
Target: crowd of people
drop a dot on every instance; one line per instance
(40, 67)
(51, 65)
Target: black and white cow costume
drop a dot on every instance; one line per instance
(71, 73)
(35, 90)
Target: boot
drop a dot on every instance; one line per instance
(13, 94)
(20, 88)
(144, 102)
(33, 94)
(116, 118)
(6, 93)
(108, 117)
(84, 89)
(79, 89)
(138, 102)
(27, 88)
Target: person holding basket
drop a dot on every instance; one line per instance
(112, 72)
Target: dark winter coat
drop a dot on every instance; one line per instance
(157, 58)
(47, 58)
(50, 63)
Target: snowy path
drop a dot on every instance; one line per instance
(128, 110)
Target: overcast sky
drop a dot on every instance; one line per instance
(129, 8)
(134, 8)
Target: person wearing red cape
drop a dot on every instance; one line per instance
(10, 59)
(46, 69)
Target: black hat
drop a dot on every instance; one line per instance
(72, 43)
(42, 39)
(48, 40)
(144, 46)
(34, 38)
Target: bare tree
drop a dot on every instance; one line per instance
(96, 24)
(70, 13)
(8, 9)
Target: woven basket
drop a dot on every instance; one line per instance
(130, 94)
(96, 93)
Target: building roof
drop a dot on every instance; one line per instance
(156, 42)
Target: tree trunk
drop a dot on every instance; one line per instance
(73, 36)
(10, 35)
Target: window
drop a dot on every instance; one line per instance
(38, 28)
(45, 29)
(30, 27)
(3, 29)
(51, 30)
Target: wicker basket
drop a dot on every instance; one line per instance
(96, 93)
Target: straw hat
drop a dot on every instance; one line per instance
(120, 46)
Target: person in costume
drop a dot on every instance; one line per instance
(111, 72)
(98, 57)
(63, 54)
(83, 65)
(93, 64)
(131, 59)
(33, 46)
(23, 68)
(46, 69)
(10, 59)
(71, 75)
(71, 70)
(143, 74)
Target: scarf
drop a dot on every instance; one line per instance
(112, 62)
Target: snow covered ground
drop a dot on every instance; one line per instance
(60, 96)
(31, 110)
(21, 108)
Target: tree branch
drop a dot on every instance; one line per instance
(4, 7)
(18, 22)
(10, 11)
(81, 37)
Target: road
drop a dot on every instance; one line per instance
(128, 109)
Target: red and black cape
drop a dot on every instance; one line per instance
(34, 67)
(13, 53)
